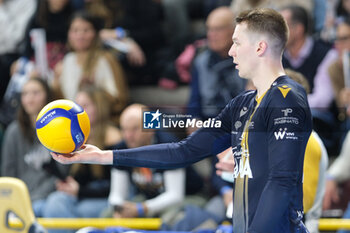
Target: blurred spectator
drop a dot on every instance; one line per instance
(312, 58)
(14, 16)
(99, 9)
(337, 11)
(315, 8)
(52, 17)
(156, 190)
(138, 24)
(338, 173)
(315, 166)
(84, 193)
(336, 69)
(238, 6)
(23, 156)
(95, 102)
(184, 17)
(217, 208)
(214, 79)
(343, 9)
(88, 64)
(319, 16)
(308, 56)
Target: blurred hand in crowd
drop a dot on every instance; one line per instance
(331, 194)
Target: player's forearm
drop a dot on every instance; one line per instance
(106, 157)
(168, 155)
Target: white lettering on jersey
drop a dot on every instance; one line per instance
(242, 168)
(280, 134)
(283, 134)
(287, 111)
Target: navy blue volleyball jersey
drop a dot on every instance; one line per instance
(268, 139)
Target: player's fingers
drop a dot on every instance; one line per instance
(65, 159)
(225, 166)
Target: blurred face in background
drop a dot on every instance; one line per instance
(346, 5)
(295, 29)
(33, 97)
(84, 100)
(220, 28)
(81, 35)
(342, 41)
(131, 127)
(57, 5)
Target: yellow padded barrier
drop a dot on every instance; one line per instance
(101, 223)
(330, 224)
(325, 224)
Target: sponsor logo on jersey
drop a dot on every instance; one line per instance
(243, 111)
(242, 165)
(284, 90)
(287, 111)
(238, 125)
(283, 134)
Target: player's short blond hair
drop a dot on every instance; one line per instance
(268, 22)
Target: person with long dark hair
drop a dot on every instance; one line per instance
(23, 156)
(88, 64)
(85, 191)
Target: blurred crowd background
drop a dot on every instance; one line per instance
(118, 58)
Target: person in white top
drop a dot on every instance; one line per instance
(88, 63)
(160, 189)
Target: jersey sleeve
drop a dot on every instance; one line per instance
(288, 123)
(199, 145)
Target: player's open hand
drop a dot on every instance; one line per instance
(226, 162)
(87, 154)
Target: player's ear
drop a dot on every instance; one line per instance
(261, 47)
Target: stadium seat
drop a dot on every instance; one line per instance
(15, 205)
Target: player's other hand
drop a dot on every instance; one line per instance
(87, 154)
(226, 162)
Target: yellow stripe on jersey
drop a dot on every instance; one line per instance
(240, 212)
(312, 160)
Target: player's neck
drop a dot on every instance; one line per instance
(266, 75)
